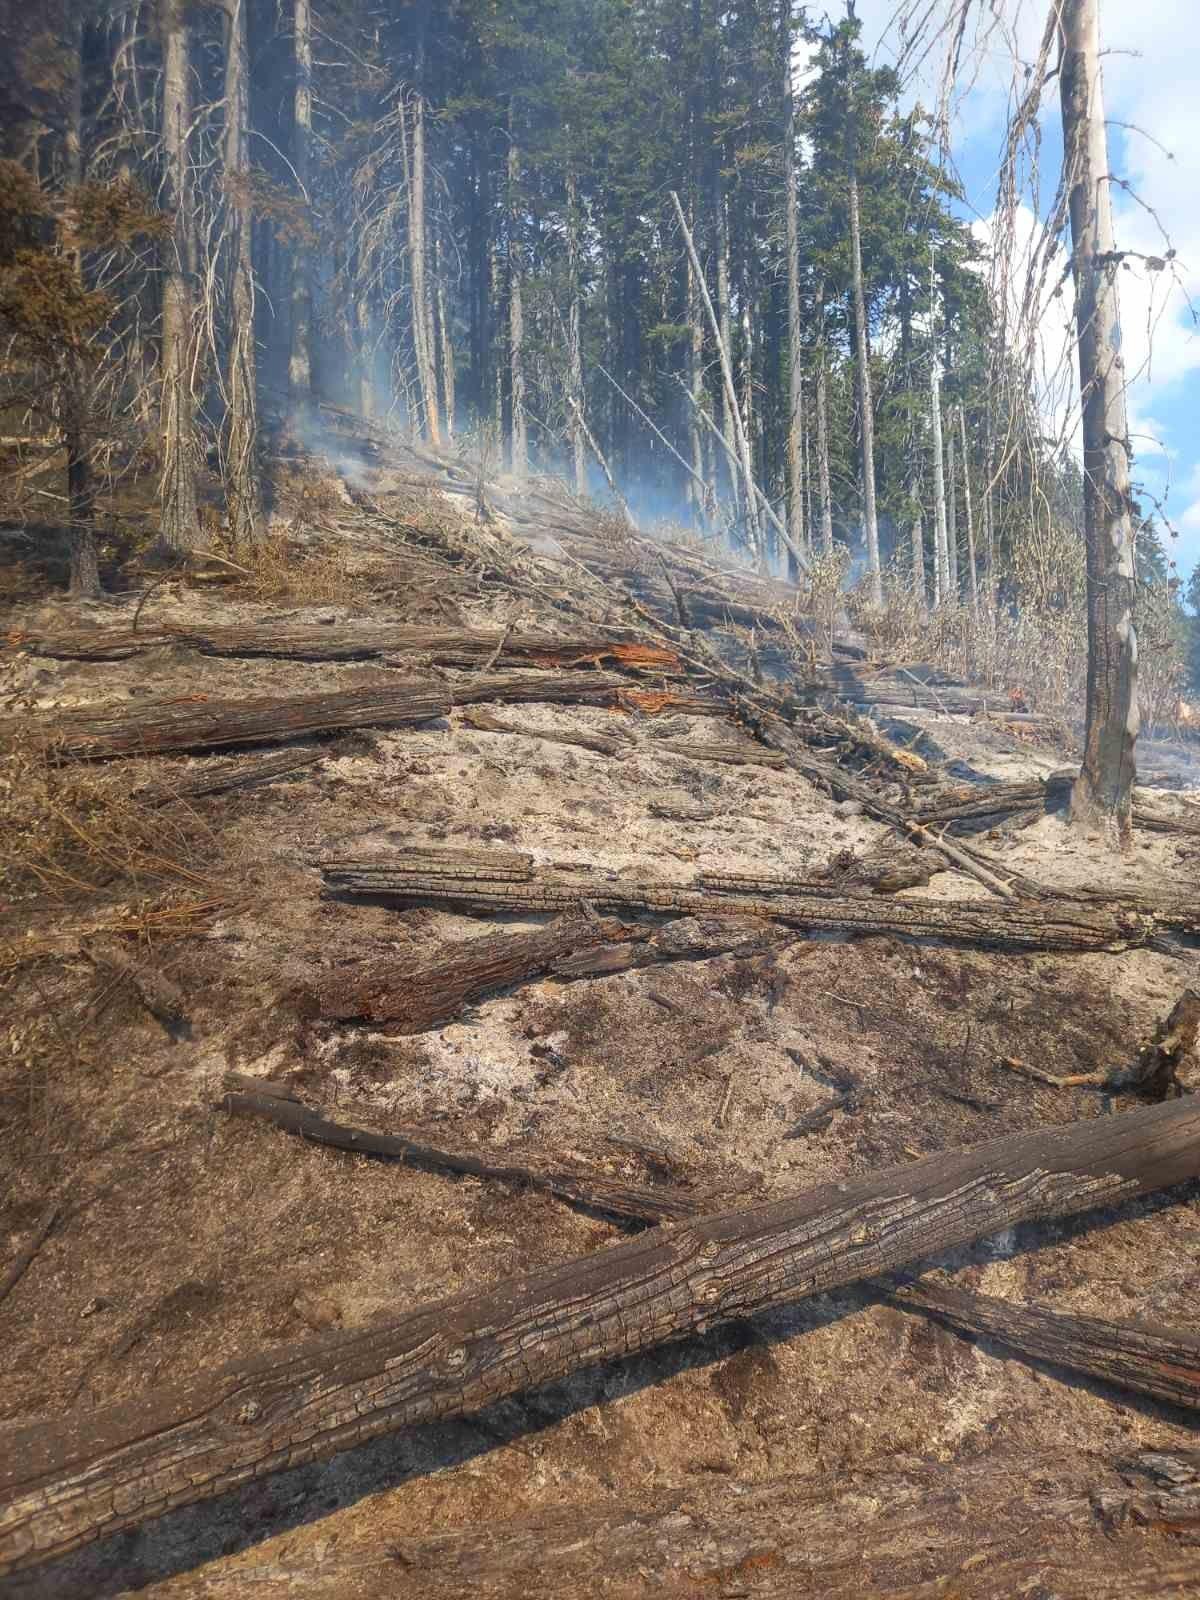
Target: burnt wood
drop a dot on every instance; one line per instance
(1163, 1362)
(1003, 1525)
(64, 1483)
(593, 1190)
(196, 722)
(357, 641)
(1060, 924)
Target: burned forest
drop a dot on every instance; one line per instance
(599, 811)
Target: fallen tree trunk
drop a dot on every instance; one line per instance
(581, 688)
(733, 755)
(1163, 1362)
(412, 994)
(64, 1484)
(409, 994)
(602, 744)
(975, 806)
(1060, 924)
(197, 723)
(224, 776)
(993, 1528)
(596, 1191)
(358, 641)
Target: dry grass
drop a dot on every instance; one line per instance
(282, 570)
(1037, 656)
(80, 856)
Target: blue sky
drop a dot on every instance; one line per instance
(1152, 95)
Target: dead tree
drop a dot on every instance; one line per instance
(179, 520)
(300, 359)
(1163, 1362)
(63, 1485)
(241, 379)
(158, 727)
(817, 906)
(1103, 797)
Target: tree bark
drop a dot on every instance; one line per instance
(1104, 791)
(422, 321)
(942, 588)
(731, 405)
(795, 451)
(1163, 1362)
(84, 575)
(179, 519)
(823, 485)
(242, 487)
(972, 567)
(300, 359)
(445, 338)
(157, 727)
(247, 1097)
(516, 317)
(952, 513)
(1059, 924)
(443, 646)
(574, 339)
(918, 562)
(64, 1484)
(865, 401)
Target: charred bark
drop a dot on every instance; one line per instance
(594, 1191)
(64, 1484)
(1060, 924)
(165, 725)
(1163, 1362)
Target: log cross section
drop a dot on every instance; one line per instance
(70, 1481)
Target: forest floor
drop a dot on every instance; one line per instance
(188, 1236)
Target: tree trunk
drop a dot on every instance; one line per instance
(422, 322)
(731, 405)
(1104, 791)
(574, 340)
(1064, 925)
(918, 562)
(952, 512)
(823, 485)
(179, 520)
(445, 337)
(64, 1485)
(157, 727)
(942, 589)
(700, 497)
(795, 446)
(242, 486)
(516, 317)
(865, 403)
(1162, 1362)
(84, 577)
(972, 568)
(300, 359)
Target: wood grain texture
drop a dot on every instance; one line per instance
(994, 1528)
(1163, 1362)
(195, 722)
(65, 1483)
(1058, 924)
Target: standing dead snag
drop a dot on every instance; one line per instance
(1103, 797)
(65, 1484)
